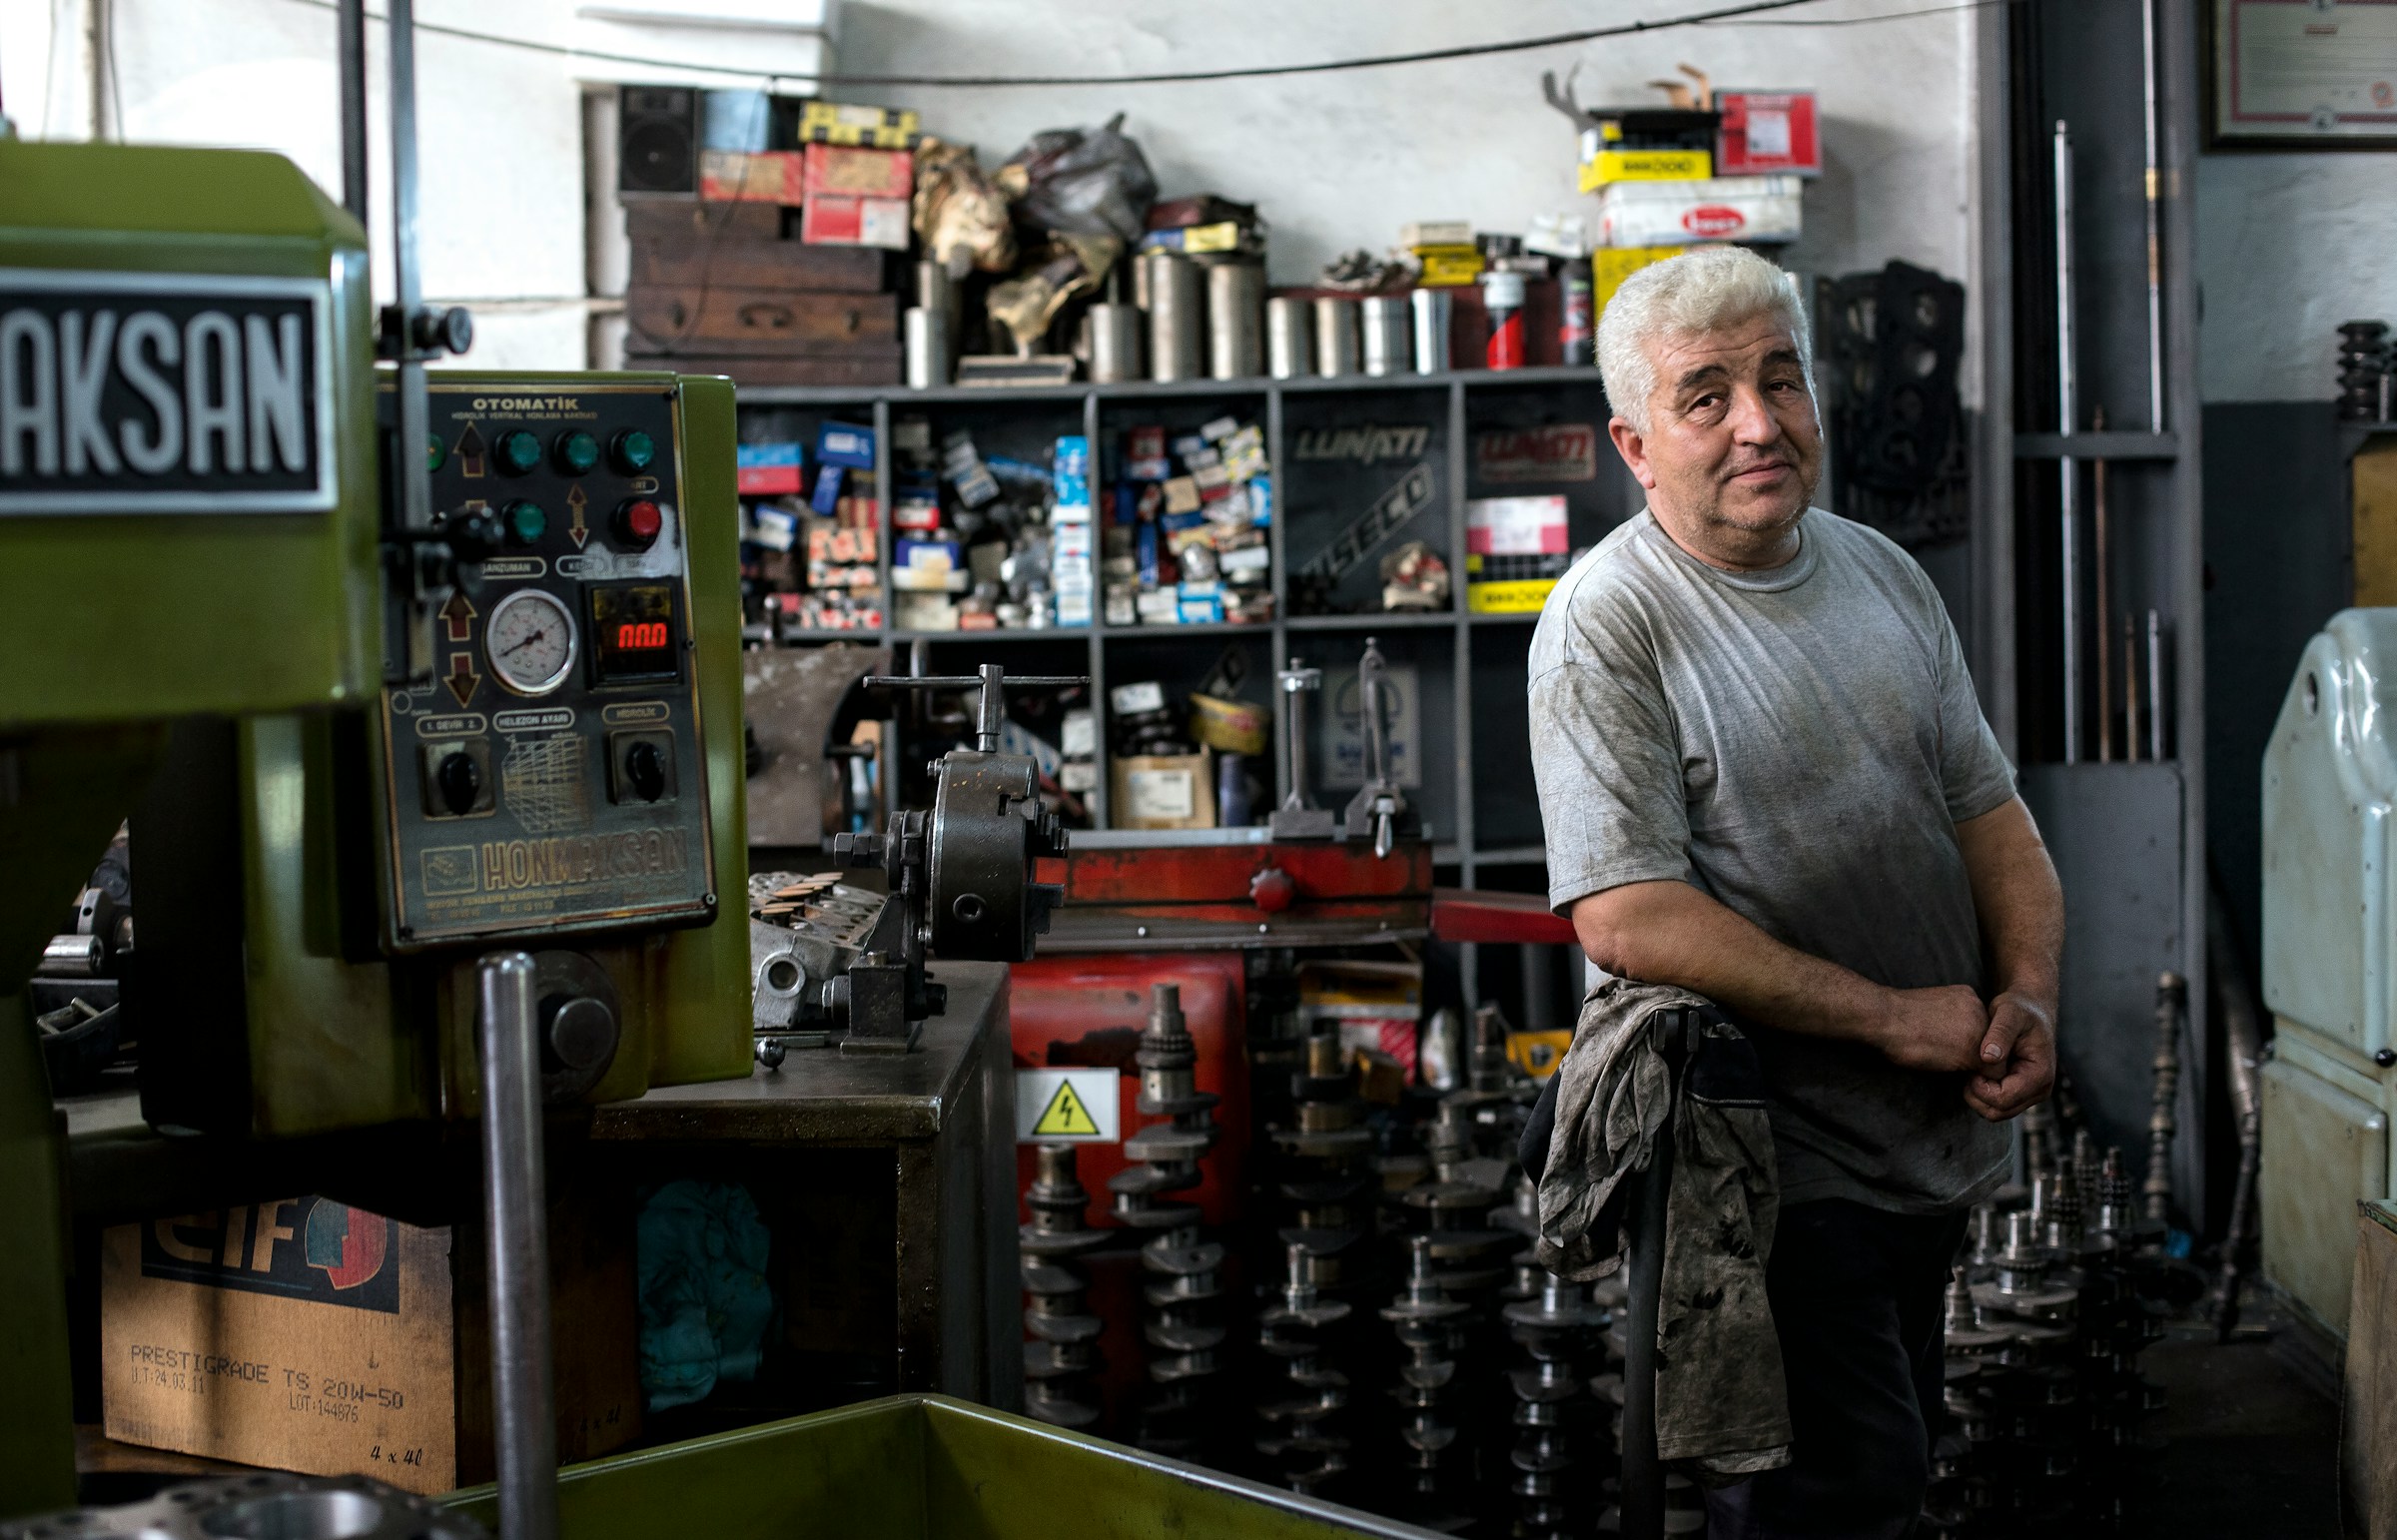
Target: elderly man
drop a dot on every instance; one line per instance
(1764, 778)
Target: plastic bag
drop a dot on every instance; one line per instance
(1083, 182)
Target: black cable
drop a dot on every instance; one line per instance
(1721, 15)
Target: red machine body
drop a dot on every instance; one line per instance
(1072, 1012)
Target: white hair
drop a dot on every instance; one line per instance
(1701, 290)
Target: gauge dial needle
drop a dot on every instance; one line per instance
(520, 646)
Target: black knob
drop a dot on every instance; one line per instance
(472, 534)
(645, 768)
(460, 780)
(2385, 1057)
(581, 1034)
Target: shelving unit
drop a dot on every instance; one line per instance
(1474, 753)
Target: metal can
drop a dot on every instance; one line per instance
(1174, 304)
(1336, 337)
(1576, 331)
(1502, 296)
(1114, 342)
(928, 361)
(1235, 348)
(1432, 308)
(1385, 329)
(1289, 339)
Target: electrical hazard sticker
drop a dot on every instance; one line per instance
(1059, 1107)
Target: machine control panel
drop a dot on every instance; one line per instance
(550, 776)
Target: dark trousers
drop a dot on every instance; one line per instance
(1858, 1303)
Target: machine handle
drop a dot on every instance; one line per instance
(990, 710)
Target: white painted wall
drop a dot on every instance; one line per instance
(2290, 245)
(1341, 161)
(499, 129)
(1336, 161)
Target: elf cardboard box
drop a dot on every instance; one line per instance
(308, 1335)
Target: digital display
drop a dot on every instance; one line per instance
(634, 632)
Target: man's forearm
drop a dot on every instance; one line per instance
(1670, 932)
(2019, 902)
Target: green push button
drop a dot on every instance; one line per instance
(577, 453)
(519, 453)
(526, 522)
(635, 452)
(436, 457)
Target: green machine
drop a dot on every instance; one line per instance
(393, 776)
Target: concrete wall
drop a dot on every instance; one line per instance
(1341, 161)
(2290, 245)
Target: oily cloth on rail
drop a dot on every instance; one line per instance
(1721, 1411)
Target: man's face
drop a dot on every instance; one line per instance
(1732, 442)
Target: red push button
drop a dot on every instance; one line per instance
(637, 523)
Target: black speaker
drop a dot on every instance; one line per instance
(657, 141)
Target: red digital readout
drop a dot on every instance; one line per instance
(636, 635)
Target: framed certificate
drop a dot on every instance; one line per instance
(2310, 74)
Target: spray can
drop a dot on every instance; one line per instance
(1502, 296)
(1577, 328)
(1432, 308)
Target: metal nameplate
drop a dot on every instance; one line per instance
(164, 392)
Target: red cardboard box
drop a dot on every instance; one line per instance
(860, 173)
(835, 218)
(1767, 131)
(731, 176)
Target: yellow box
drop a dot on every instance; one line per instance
(1446, 272)
(1611, 264)
(837, 123)
(1518, 596)
(1538, 1053)
(1646, 166)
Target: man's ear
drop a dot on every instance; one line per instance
(1633, 448)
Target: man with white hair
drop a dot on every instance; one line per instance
(1765, 779)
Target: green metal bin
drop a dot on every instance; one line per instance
(922, 1467)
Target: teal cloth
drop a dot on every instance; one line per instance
(706, 1302)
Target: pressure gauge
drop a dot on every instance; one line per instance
(530, 641)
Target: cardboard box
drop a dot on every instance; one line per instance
(1767, 131)
(1611, 264)
(1602, 164)
(1720, 209)
(837, 123)
(1164, 791)
(308, 1335)
(769, 469)
(859, 172)
(1374, 1007)
(730, 175)
(835, 218)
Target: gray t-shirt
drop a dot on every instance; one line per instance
(1800, 744)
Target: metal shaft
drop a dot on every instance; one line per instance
(2131, 688)
(989, 709)
(2105, 584)
(353, 49)
(524, 1405)
(1643, 1473)
(2155, 685)
(2155, 240)
(1295, 681)
(2067, 420)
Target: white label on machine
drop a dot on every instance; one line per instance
(1068, 1107)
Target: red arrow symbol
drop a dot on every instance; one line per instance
(575, 502)
(463, 679)
(459, 616)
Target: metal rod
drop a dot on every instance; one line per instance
(2155, 685)
(2067, 418)
(2131, 688)
(2105, 584)
(1643, 1472)
(353, 69)
(2155, 219)
(416, 475)
(523, 1407)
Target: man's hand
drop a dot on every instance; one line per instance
(1940, 1029)
(2017, 1053)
